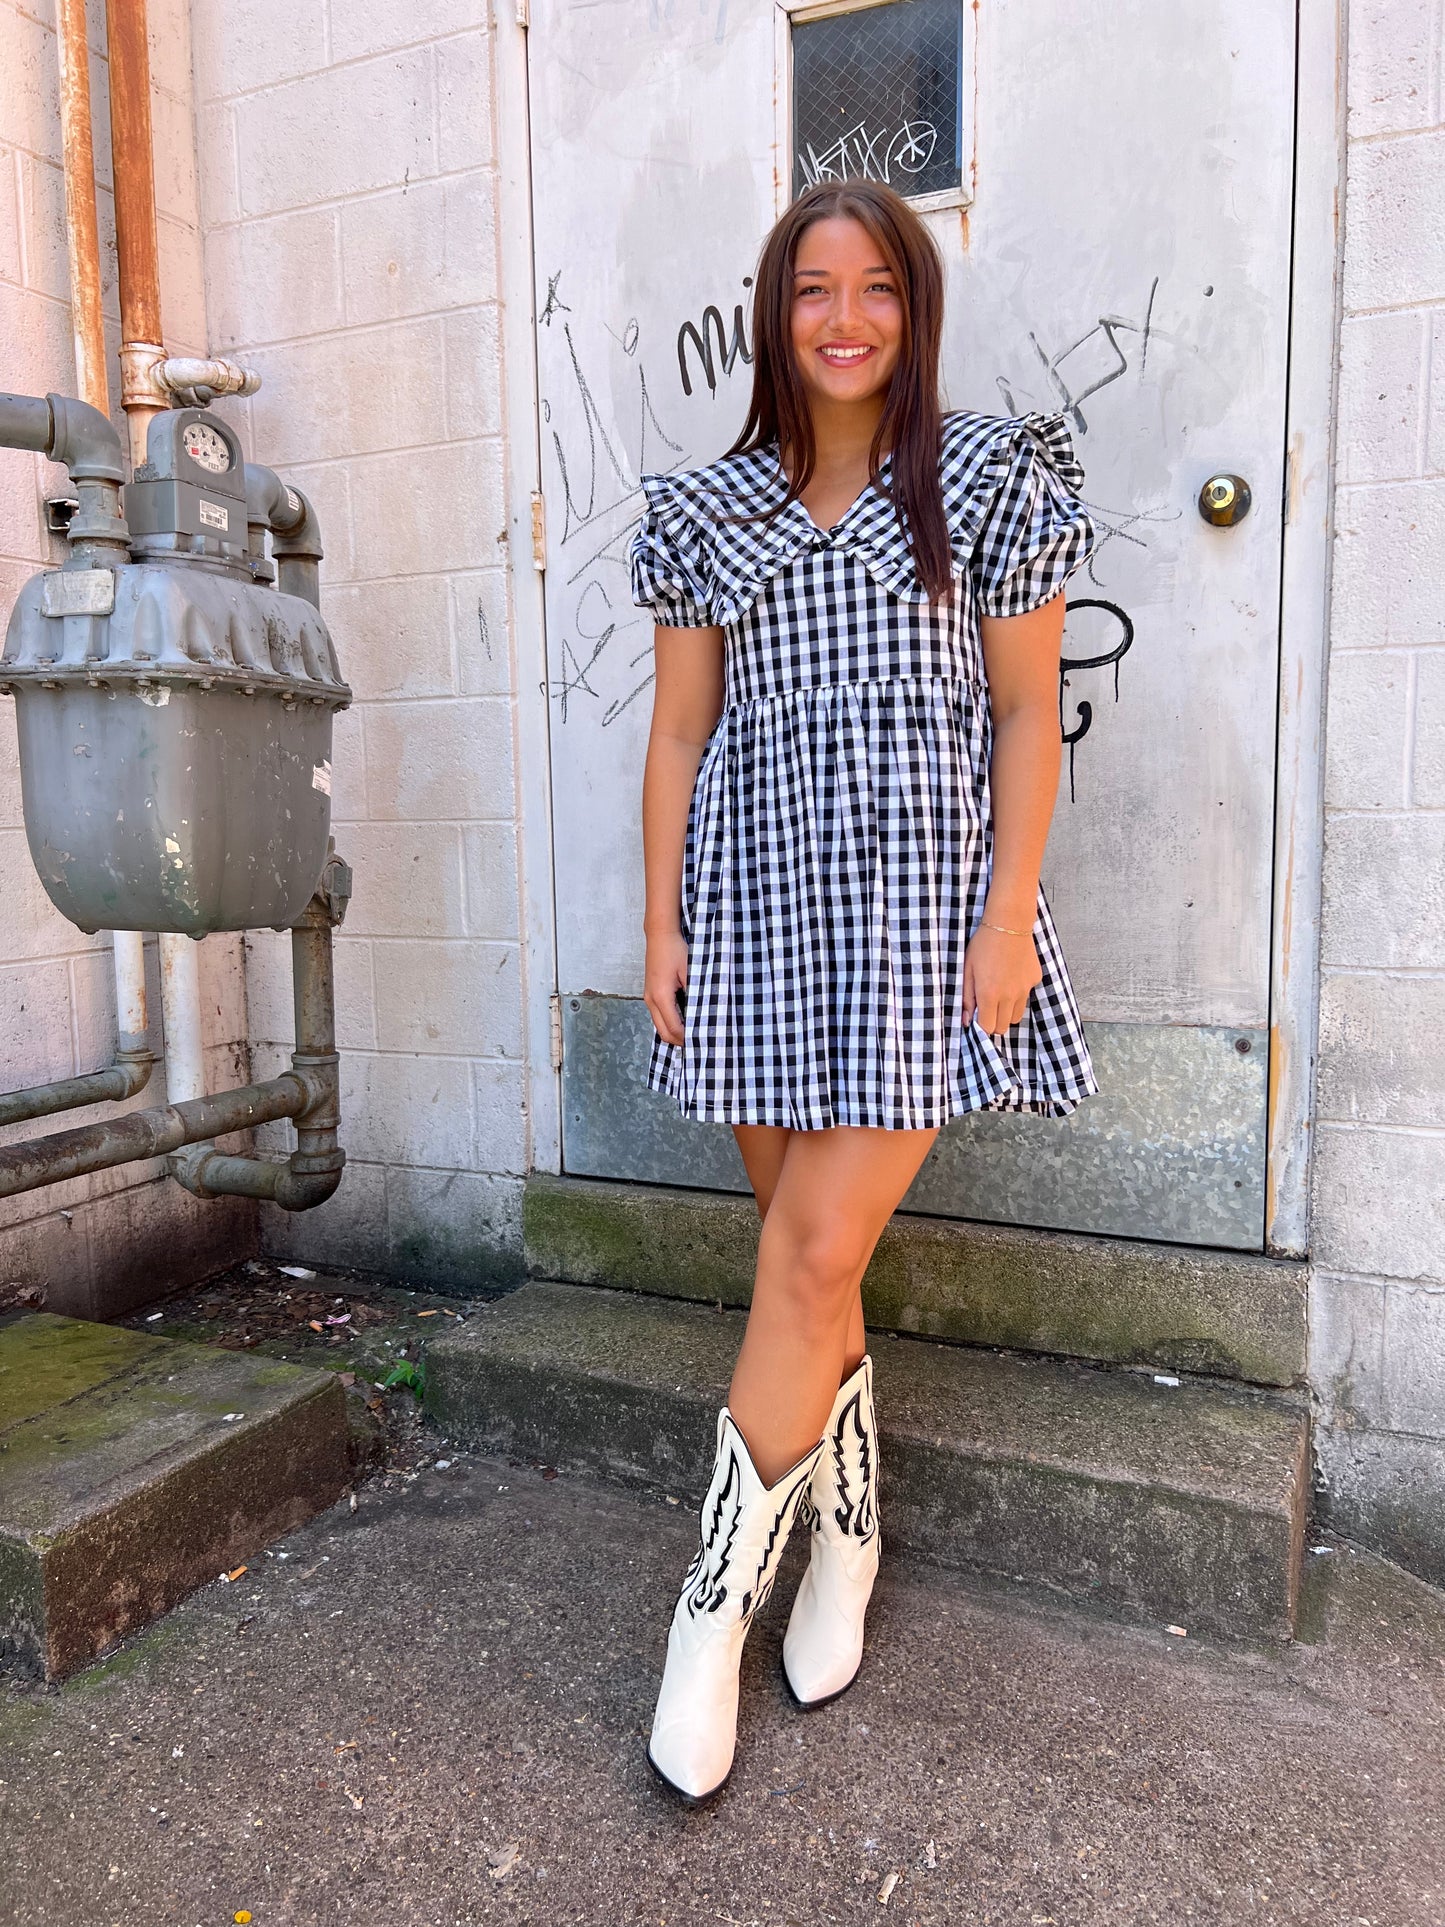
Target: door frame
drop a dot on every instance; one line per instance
(1313, 331)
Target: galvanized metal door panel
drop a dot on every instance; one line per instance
(1124, 257)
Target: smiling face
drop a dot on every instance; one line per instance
(846, 315)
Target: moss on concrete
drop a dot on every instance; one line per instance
(1178, 1307)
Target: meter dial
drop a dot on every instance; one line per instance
(206, 448)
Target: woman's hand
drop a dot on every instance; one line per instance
(999, 971)
(664, 974)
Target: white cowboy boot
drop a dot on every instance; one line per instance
(823, 1646)
(744, 1528)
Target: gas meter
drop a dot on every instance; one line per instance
(174, 701)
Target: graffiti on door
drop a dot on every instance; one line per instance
(599, 470)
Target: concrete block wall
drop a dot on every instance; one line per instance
(91, 1243)
(1378, 1287)
(348, 185)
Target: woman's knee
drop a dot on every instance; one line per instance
(816, 1265)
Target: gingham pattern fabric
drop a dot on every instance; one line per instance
(839, 838)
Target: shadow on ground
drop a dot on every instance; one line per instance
(432, 1710)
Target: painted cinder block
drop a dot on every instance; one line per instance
(1395, 221)
(1414, 1359)
(481, 632)
(440, 508)
(337, 133)
(444, 761)
(1346, 1346)
(1389, 72)
(388, 399)
(500, 1097)
(426, 247)
(1379, 1201)
(490, 851)
(458, 1229)
(1384, 892)
(1427, 774)
(1382, 364)
(1388, 544)
(1366, 727)
(448, 997)
(274, 280)
(465, 132)
(394, 637)
(473, 346)
(35, 1023)
(30, 97)
(1381, 1048)
(408, 880)
(240, 49)
(407, 1109)
(349, 1229)
(377, 26)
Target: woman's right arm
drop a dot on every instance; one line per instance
(687, 699)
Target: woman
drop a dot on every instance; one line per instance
(852, 765)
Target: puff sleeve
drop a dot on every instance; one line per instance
(668, 561)
(1036, 532)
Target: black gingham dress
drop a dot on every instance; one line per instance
(839, 837)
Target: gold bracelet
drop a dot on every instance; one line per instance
(1004, 927)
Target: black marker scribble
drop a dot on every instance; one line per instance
(1074, 387)
(702, 339)
(1083, 709)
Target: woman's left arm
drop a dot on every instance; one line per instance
(1021, 658)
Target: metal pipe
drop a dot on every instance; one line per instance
(181, 1016)
(295, 530)
(137, 255)
(313, 1171)
(82, 234)
(129, 1074)
(148, 1134)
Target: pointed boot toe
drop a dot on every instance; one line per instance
(823, 1645)
(743, 1531)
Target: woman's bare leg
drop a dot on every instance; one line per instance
(763, 1148)
(833, 1193)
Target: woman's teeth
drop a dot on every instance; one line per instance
(844, 354)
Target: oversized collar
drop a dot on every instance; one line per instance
(977, 456)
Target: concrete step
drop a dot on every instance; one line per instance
(1184, 1505)
(134, 1469)
(1120, 1300)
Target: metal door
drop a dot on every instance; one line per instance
(1119, 248)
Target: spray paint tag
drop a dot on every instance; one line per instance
(321, 778)
(213, 515)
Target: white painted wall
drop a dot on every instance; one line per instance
(92, 1243)
(348, 185)
(1378, 1291)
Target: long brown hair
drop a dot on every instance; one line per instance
(911, 423)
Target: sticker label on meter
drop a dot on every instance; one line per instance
(214, 516)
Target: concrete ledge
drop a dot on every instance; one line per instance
(1185, 1505)
(124, 1484)
(1178, 1306)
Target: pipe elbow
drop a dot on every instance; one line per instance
(304, 1190)
(84, 440)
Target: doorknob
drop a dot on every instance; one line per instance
(1225, 500)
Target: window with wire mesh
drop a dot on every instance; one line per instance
(877, 92)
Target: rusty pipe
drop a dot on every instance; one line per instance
(313, 1171)
(148, 1134)
(82, 234)
(129, 1074)
(137, 254)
